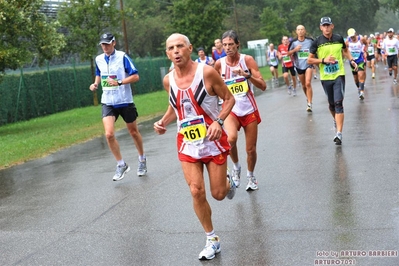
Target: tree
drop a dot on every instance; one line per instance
(247, 21)
(85, 21)
(201, 21)
(26, 33)
(344, 14)
(272, 26)
(146, 22)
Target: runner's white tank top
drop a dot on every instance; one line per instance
(245, 102)
(195, 110)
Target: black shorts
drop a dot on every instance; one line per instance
(303, 71)
(128, 112)
(392, 60)
(370, 57)
(276, 66)
(291, 69)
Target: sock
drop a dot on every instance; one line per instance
(249, 173)
(237, 166)
(210, 234)
(121, 162)
(142, 158)
(361, 86)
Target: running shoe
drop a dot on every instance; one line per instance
(289, 89)
(236, 177)
(361, 95)
(390, 73)
(394, 81)
(252, 183)
(373, 75)
(120, 172)
(142, 168)
(232, 190)
(338, 138)
(212, 247)
(294, 92)
(309, 108)
(315, 77)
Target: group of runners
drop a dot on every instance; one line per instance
(207, 132)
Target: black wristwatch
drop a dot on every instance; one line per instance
(119, 82)
(248, 72)
(220, 121)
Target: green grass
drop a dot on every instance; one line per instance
(36, 138)
(23, 141)
(265, 71)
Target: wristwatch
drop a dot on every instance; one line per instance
(220, 121)
(119, 82)
(250, 75)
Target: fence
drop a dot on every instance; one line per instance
(30, 94)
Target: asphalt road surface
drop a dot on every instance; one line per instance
(317, 203)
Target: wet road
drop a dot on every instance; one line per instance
(315, 198)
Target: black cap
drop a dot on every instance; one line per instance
(107, 38)
(200, 49)
(325, 20)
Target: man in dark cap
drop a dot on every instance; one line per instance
(115, 71)
(329, 49)
(391, 48)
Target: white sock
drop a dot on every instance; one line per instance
(210, 234)
(142, 158)
(237, 166)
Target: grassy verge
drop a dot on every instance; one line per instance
(24, 141)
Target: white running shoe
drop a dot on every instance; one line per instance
(212, 247)
(361, 95)
(394, 81)
(294, 92)
(232, 190)
(338, 138)
(120, 172)
(142, 168)
(289, 90)
(236, 176)
(309, 108)
(252, 183)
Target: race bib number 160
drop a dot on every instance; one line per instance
(237, 86)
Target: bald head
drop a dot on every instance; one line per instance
(177, 36)
(300, 31)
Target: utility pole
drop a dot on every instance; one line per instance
(235, 17)
(124, 28)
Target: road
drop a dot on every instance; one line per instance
(317, 202)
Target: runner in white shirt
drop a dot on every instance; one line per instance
(391, 47)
